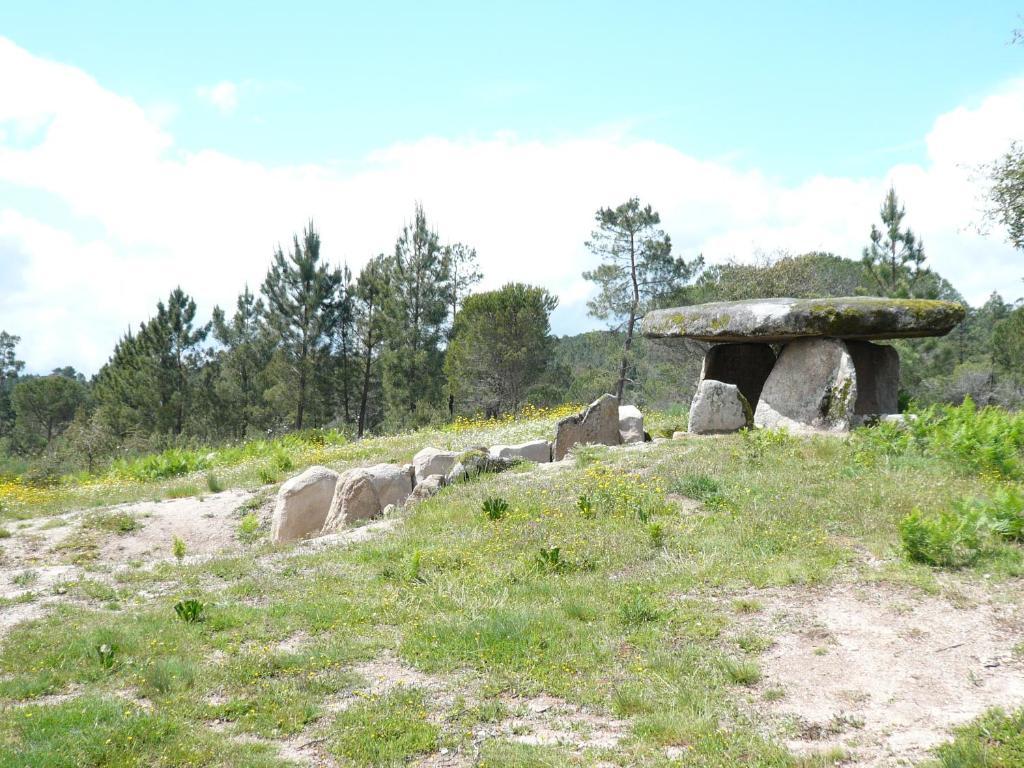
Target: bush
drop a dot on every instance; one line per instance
(950, 538)
(495, 507)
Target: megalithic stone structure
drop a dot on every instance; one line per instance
(826, 375)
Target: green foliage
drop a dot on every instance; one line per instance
(639, 608)
(191, 611)
(385, 730)
(248, 528)
(494, 507)
(106, 654)
(44, 406)
(549, 559)
(213, 483)
(946, 538)
(742, 671)
(178, 548)
(1006, 193)
(501, 345)
(995, 740)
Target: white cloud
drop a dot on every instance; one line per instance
(223, 95)
(209, 221)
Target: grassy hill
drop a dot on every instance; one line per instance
(685, 602)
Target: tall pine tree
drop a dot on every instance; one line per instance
(371, 291)
(416, 313)
(895, 257)
(303, 310)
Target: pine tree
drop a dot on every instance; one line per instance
(302, 308)
(241, 378)
(416, 312)
(371, 291)
(463, 273)
(346, 353)
(636, 272)
(10, 367)
(895, 258)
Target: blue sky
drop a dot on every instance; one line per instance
(728, 117)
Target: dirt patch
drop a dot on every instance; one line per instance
(550, 721)
(883, 672)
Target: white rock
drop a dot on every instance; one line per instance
(536, 450)
(392, 483)
(355, 498)
(303, 503)
(433, 461)
(678, 435)
(631, 424)
(718, 408)
(428, 487)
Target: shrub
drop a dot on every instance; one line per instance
(114, 522)
(178, 548)
(1003, 513)
(949, 538)
(213, 483)
(656, 533)
(105, 652)
(495, 507)
(550, 559)
(191, 611)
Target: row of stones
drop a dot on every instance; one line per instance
(320, 501)
(829, 384)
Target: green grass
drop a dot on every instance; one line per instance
(650, 627)
(995, 740)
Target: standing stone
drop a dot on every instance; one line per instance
(392, 483)
(428, 487)
(631, 424)
(745, 365)
(599, 423)
(355, 498)
(433, 461)
(813, 384)
(538, 451)
(719, 408)
(302, 504)
(878, 378)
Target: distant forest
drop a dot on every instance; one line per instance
(408, 342)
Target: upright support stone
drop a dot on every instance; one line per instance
(813, 384)
(878, 378)
(718, 408)
(599, 424)
(745, 365)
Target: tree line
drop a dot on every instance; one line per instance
(406, 342)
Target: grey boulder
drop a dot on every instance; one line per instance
(718, 408)
(428, 487)
(813, 384)
(781, 320)
(302, 504)
(598, 423)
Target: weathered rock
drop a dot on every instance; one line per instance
(392, 483)
(302, 504)
(599, 423)
(631, 424)
(427, 487)
(433, 461)
(719, 408)
(538, 451)
(813, 384)
(678, 434)
(781, 320)
(878, 378)
(355, 498)
(745, 365)
(477, 461)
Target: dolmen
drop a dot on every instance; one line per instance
(799, 363)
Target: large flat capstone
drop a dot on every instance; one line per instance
(782, 320)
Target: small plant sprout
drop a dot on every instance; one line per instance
(585, 505)
(190, 611)
(550, 559)
(178, 548)
(213, 483)
(105, 653)
(249, 528)
(656, 532)
(495, 507)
